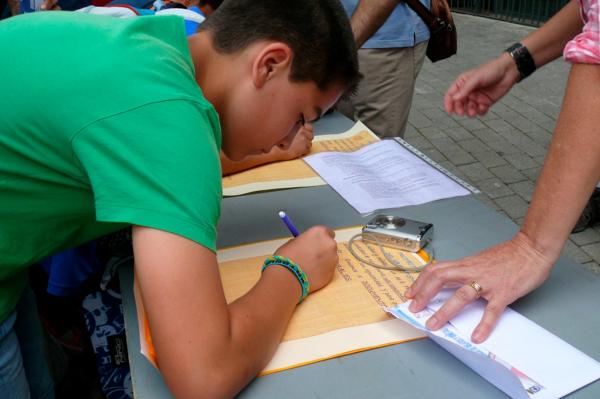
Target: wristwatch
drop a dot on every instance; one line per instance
(523, 59)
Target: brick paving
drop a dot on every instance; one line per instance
(502, 152)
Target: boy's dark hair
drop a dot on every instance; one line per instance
(317, 31)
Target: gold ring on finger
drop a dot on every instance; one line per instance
(477, 287)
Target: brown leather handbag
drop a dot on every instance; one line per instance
(442, 41)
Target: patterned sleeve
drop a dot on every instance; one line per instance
(585, 47)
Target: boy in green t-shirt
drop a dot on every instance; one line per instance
(123, 125)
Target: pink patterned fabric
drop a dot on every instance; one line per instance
(585, 47)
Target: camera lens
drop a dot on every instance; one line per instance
(393, 222)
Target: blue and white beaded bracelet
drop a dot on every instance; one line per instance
(292, 267)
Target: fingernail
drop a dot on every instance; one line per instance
(432, 323)
(408, 293)
(476, 337)
(413, 306)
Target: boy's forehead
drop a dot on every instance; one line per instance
(318, 100)
(330, 96)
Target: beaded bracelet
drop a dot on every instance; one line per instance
(294, 268)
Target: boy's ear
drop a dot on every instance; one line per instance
(273, 59)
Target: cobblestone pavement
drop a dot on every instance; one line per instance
(502, 152)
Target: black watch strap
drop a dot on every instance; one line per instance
(523, 59)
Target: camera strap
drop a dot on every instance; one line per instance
(393, 264)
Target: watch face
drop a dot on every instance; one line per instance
(523, 60)
(513, 48)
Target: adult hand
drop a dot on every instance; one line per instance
(299, 146)
(505, 272)
(315, 251)
(475, 91)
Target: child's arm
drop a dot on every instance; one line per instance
(205, 347)
(299, 146)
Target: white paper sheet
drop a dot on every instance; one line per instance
(521, 358)
(383, 175)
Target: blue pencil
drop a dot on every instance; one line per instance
(289, 224)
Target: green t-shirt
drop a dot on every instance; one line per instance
(102, 125)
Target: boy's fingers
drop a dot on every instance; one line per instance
(330, 232)
(309, 133)
(320, 229)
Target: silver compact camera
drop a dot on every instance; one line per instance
(397, 232)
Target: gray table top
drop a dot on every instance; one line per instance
(564, 305)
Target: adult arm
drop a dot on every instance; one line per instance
(368, 17)
(476, 90)
(205, 347)
(512, 269)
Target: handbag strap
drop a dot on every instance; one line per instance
(427, 16)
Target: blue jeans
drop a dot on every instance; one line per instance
(24, 371)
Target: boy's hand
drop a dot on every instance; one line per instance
(219, 347)
(287, 150)
(315, 251)
(299, 146)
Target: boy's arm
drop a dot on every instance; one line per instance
(205, 347)
(299, 146)
(368, 17)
